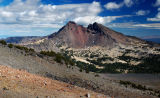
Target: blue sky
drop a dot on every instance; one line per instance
(42, 17)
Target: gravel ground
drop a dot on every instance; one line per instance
(19, 83)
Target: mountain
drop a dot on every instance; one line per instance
(76, 36)
(82, 56)
(95, 34)
(87, 44)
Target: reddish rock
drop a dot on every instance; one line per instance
(77, 36)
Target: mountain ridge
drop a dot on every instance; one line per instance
(77, 36)
(94, 34)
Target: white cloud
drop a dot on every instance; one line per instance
(149, 25)
(142, 12)
(157, 3)
(6, 14)
(32, 13)
(128, 3)
(102, 20)
(134, 25)
(28, 15)
(113, 5)
(91, 19)
(156, 18)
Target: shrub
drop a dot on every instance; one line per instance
(97, 75)
(3, 42)
(87, 70)
(24, 48)
(58, 57)
(80, 70)
(10, 45)
(48, 53)
(93, 55)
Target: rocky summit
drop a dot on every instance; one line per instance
(77, 36)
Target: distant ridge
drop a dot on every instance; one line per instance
(20, 39)
(154, 38)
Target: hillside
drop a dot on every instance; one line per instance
(19, 83)
(45, 66)
(103, 48)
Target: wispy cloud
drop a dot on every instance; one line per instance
(114, 5)
(134, 25)
(149, 25)
(142, 12)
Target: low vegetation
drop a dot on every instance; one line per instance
(128, 58)
(24, 48)
(150, 64)
(94, 55)
(10, 45)
(17, 46)
(58, 57)
(3, 42)
(140, 87)
(87, 67)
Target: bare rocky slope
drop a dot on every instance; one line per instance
(21, 84)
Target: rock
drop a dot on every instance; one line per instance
(88, 95)
(5, 88)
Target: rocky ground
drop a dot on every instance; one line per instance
(19, 83)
